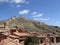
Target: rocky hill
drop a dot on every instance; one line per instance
(32, 25)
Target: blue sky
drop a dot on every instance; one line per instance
(47, 11)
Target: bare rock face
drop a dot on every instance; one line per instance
(9, 42)
(31, 25)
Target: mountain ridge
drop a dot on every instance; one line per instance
(31, 25)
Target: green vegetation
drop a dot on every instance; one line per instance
(27, 24)
(31, 40)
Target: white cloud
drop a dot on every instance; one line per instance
(4, 0)
(17, 1)
(18, 6)
(34, 13)
(57, 21)
(35, 19)
(37, 15)
(13, 1)
(24, 12)
(43, 19)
